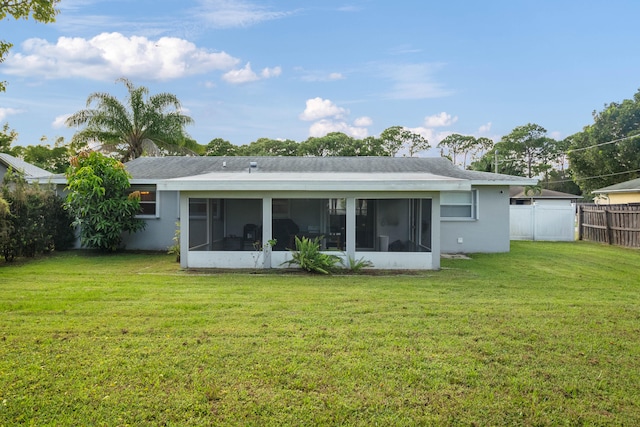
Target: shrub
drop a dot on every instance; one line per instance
(307, 256)
(32, 220)
(99, 201)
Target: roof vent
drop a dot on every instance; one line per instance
(253, 165)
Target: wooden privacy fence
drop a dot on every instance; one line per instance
(612, 224)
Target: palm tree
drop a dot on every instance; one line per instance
(148, 125)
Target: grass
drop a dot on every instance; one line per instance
(544, 335)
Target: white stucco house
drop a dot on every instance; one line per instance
(398, 213)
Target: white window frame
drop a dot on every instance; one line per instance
(453, 199)
(150, 188)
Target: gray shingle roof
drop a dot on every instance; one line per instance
(160, 168)
(632, 185)
(518, 192)
(30, 171)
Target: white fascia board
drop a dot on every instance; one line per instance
(43, 180)
(145, 181)
(300, 181)
(506, 182)
(626, 190)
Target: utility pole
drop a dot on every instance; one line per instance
(496, 161)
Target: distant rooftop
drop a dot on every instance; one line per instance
(30, 171)
(627, 186)
(519, 192)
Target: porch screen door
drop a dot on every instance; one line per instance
(420, 220)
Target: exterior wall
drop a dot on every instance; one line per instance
(488, 233)
(618, 198)
(159, 232)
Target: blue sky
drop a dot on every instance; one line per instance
(293, 69)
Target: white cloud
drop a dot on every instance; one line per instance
(268, 73)
(6, 112)
(247, 75)
(486, 128)
(414, 81)
(59, 122)
(363, 121)
(111, 55)
(325, 126)
(556, 135)
(243, 75)
(431, 134)
(440, 120)
(318, 108)
(318, 75)
(235, 13)
(328, 117)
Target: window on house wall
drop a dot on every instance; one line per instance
(459, 205)
(148, 200)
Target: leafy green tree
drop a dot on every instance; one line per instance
(560, 180)
(528, 148)
(607, 152)
(99, 199)
(505, 165)
(369, 146)
(392, 140)
(190, 146)
(269, 147)
(332, 144)
(466, 146)
(147, 125)
(220, 147)
(36, 221)
(453, 146)
(415, 143)
(395, 138)
(41, 10)
(7, 137)
(54, 159)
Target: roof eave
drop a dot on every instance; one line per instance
(627, 190)
(505, 182)
(299, 182)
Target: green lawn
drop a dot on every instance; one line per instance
(548, 334)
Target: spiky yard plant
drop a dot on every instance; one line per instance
(307, 255)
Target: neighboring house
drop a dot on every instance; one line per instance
(542, 215)
(399, 213)
(31, 172)
(520, 195)
(627, 192)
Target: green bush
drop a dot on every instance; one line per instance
(99, 201)
(33, 220)
(308, 256)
